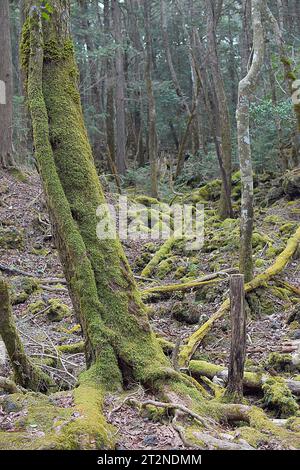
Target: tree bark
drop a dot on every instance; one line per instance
(120, 89)
(6, 89)
(152, 136)
(246, 88)
(109, 87)
(234, 389)
(222, 108)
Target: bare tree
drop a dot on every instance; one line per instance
(213, 10)
(152, 139)
(246, 88)
(120, 90)
(6, 89)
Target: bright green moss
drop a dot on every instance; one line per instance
(278, 397)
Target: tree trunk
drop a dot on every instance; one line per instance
(26, 373)
(109, 87)
(120, 89)
(234, 389)
(94, 78)
(152, 137)
(6, 89)
(222, 108)
(246, 88)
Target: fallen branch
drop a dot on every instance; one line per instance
(186, 286)
(159, 256)
(281, 261)
(252, 381)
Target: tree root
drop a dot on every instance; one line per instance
(281, 261)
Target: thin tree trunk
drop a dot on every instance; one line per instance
(6, 89)
(26, 373)
(246, 88)
(120, 90)
(222, 108)
(152, 137)
(109, 86)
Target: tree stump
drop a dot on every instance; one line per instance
(234, 389)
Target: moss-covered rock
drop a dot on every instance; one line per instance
(280, 362)
(57, 310)
(288, 228)
(186, 312)
(36, 307)
(12, 238)
(21, 288)
(291, 184)
(279, 398)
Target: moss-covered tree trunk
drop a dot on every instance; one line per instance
(108, 305)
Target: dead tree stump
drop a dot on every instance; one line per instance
(234, 389)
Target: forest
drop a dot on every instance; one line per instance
(150, 225)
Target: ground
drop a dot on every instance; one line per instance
(45, 319)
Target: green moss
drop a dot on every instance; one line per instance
(280, 362)
(18, 175)
(146, 200)
(278, 397)
(259, 263)
(57, 310)
(40, 251)
(36, 307)
(273, 220)
(254, 437)
(73, 348)
(288, 228)
(12, 238)
(260, 240)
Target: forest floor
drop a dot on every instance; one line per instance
(28, 247)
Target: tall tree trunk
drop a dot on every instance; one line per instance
(222, 107)
(6, 89)
(246, 88)
(94, 77)
(152, 136)
(109, 86)
(120, 90)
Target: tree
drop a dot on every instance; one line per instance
(213, 10)
(120, 89)
(6, 89)
(152, 137)
(246, 88)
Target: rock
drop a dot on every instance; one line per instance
(57, 310)
(295, 334)
(12, 238)
(291, 184)
(274, 194)
(150, 440)
(22, 287)
(294, 315)
(186, 312)
(10, 404)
